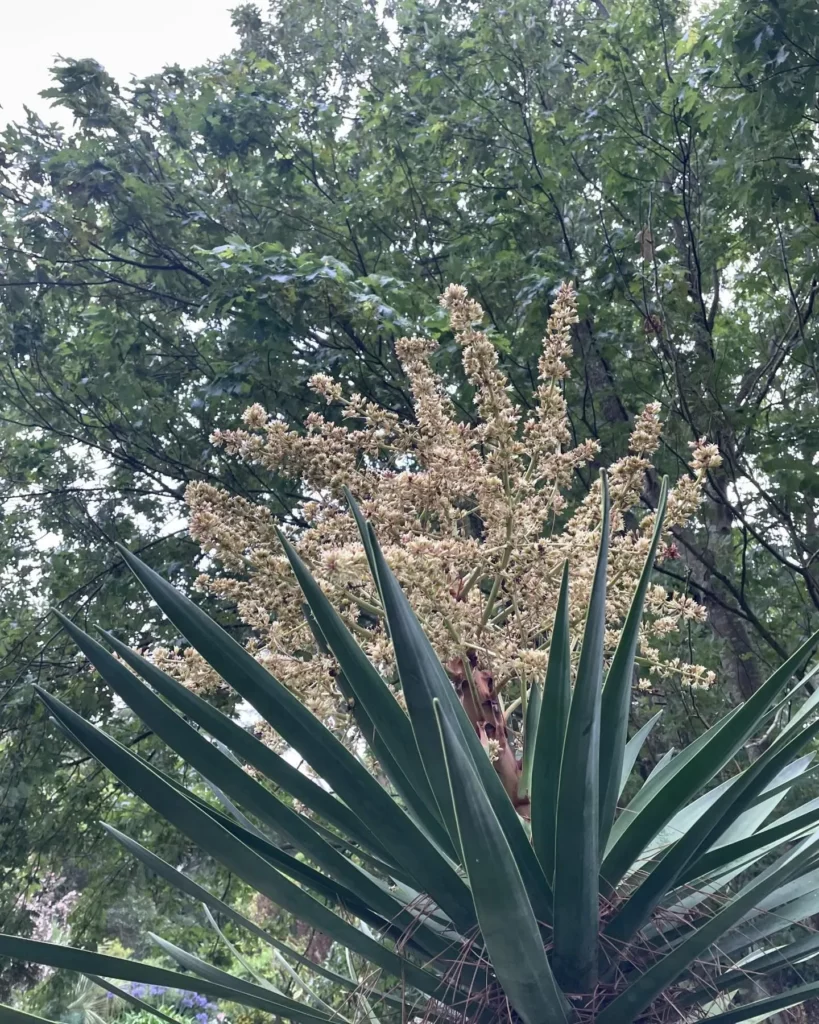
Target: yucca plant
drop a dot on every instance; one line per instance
(449, 904)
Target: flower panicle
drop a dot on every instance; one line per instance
(464, 510)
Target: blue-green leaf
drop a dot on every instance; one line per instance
(350, 780)
(507, 920)
(249, 748)
(219, 843)
(551, 734)
(577, 858)
(616, 699)
(423, 679)
(633, 748)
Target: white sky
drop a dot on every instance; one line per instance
(137, 37)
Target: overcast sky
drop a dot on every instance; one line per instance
(136, 37)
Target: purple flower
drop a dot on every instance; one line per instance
(202, 1018)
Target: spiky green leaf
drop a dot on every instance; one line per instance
(551, 734)
(128, 997)
(633, 748)
(505, 914)
(85, 962)
(530, 724)
(763, 1009)
(392, 738)
(652, 982)
(224, 773)
(424, 679)
(577, 859)
(185, 884)
(249, 748)
(348, 778)
(699, 836)
(616, 699)
(690, 772)
(219, 843)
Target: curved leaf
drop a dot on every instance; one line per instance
(731, 803)
(782, 830)
(253, 751)
(530, 724)
(85, 962)
(764, 1008)
(393, 733)
(423, 679)
(196, 965)
(404, 842)
(184, 884)
(127, 997)
(649, 985)
(762, 925)
(219, 843)
(212, 764)
(690, 772)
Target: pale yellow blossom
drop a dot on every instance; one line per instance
(465, 513)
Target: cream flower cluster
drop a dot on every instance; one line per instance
(471, 517)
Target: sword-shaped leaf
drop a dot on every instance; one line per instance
(783, 917)
(11, 1016)
(224, 773)
(725, 810)
(85, 962)
(423, 679)
(633, 748)
(551, 734)
(219, 843)
(577, 856)
(650, 984)
(763, 806)
(185, 884)
(761, 962)
(393, 733)
(245, 745)
(691, 771)
(298, 870)
(764, 1009)
(507, 920)
(348, 778)
(782, 830)
(530, 724)
(616, 699)
(196, 965)
(127, 997)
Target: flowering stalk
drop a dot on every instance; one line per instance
(456, 505)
